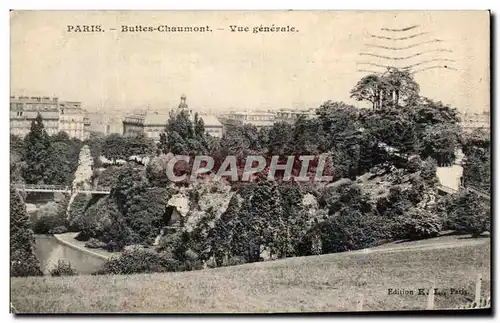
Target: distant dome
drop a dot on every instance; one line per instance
(183, 104)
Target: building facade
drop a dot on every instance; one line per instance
(472, 121)
(259, 119)
(291, 115)
(152, 123)
(71, 119)
(24, 109)
(57, 116)
(106, 121)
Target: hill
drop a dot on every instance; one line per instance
(326, 283)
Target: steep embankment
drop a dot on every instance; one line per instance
(334, 282)
(83, 174)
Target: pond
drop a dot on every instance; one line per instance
(49, 250)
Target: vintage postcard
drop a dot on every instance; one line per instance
(249, 161)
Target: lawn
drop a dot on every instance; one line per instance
(307, 284)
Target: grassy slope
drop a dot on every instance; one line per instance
(321, 283)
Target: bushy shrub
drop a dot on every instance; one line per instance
(468, 213)
(77, 209)
(234, 261)
(109, 177)
(94, 244)
(145, 261)
(50, 217)
(418, 224)
(96, 220)
(58, 230)
(24, 264)
(351, 230)
(63, 268)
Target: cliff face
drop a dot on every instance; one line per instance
(83, 174)
(199, 200)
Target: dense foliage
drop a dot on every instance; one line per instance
(142, 260)
(467, 213)
(23, 261)
(51, 218)
(62, 268)
(383, 163)
(477, 163)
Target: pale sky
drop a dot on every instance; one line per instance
(223, 70)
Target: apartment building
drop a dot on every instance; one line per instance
(57, 115)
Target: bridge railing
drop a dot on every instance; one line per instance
(47, 187)
(43, 187)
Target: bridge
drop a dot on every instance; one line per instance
(60, 189)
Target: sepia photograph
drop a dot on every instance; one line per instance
(265, 162)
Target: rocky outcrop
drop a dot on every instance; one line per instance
(199, 200)
(83, 175)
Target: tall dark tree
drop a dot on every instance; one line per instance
(369, 88)
(62, 164)
(477, 162)
(199, 127)
(23, 261)
(182, 136)
(279, 139)
(401, 85)
(95, 143)
(36, 153)
(16, 148)
(114, 147)
(63, 159)
(16, 154)
(394, 87)
(242, 140)
(139, 145)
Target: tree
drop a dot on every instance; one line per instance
(16, 148)
(279, 139)
(95, 143)
(199, 127)
(369, 88)
(139, 145)
(468, 213)
(401, 85)
(62, 164)
(394, 86)
(340, 124)
(440, 142)
(477, 161)
(23, 261)
(182, 136)
(114, 147)
(156, 170)
(350, 229)
(242, 140)
(36, 153)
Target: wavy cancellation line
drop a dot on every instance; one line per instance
(408, 66)
(401, 29)
(400, 38)
(368, 71)
(406, 57)
(434, 67)
(446, 67)
(405, 47)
